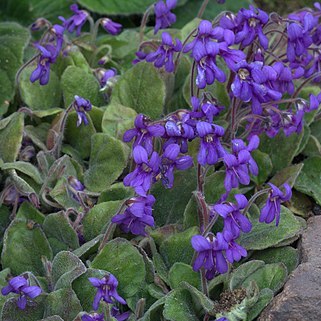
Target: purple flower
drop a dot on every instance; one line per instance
(144, 133)
(76, 21)
(163, 56)
(82, 106)
(222, 319)
(141, 55)
(284, 80)
(145, 172)
(207, 108)
(93, 317)
(118, 315)
(164, 17)
(106, 290)
(210, 144)
(210, 254)
(137, 215)
(106, 75)
(110, 26)
(234, 220)
(272, 208)
(20, 285)
(234, 252)
(171, 161)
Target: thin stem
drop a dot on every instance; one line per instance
(18, 74)
(192, 79)
(107, 236)
(202, 9)
(144, 22)
(93, 28)
(254, 197)
(204, 282)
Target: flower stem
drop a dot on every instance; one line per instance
(202, 9)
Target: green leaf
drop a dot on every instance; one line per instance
(122, 259)
(33, 311)
(312, 148)
(107, 161)
(88, 248)
(142, 89)
(53, 318)
(180, 272)
(116, 192)
(98, 217)
(308, 181)
(305, 139)
(287, 255)
(38, 134)
(265, 297)
(117, 119)
(39, 97)
(281, 149)
(79, 137)
(265, 235)
(64, 303)
(264, 163)
(287, 175)
(11, 131)
(122, 7)
(25, 168)
(178, 248)
(301, 204)
(23, 247)
(58, 228)
(270, 276)
(85, 290)
(66, 267)
(13, 40)
(154, 312)
(28, 212)
(4, 277)
(77, 81)
(179, 306)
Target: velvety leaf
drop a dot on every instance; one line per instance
(287, 175)
(160, 266)
(308, 182)
(154, 312)
(64, 303)
(53, 318)
(142, 89)
(13, 40)
(287, 255)
(281, 149)
(179, 306)
(270, 276)
(300, 204)
(23, 247)
(122, 259)
(265, 235)
(33, 311)
(25, 168)
(312, 148)
(66, 267)
(315, 129)
(4, 277)
(171, 203)
(39, 97)
(21, 184)
(79, 137)
(304, 140)
(180, 272)
(116, 192)
(28, 212)
(11, 131)
(57, 227)
(47, 112)
(38, 134)
(265, 166)
(89, 247)
(117, 119)
(107, 161)
(85, 290)
(243, 272)
(98, 217)
(178, 248)
(265, 297)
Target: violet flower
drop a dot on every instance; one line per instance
(210, 254)
(93, 317)
(145, 172)
(206, 108)
(118, 315)
(163, 56)
(272, 208)
(137, 215)
(234, 220)
(76, 21)
(171, 161)
(234, 252)
(106, 75)
(82, 106)
(20, 285)
(106, 290)
(164, 17)
(111, 27)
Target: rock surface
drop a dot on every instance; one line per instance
(300, 299)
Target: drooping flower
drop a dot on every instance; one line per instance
(207, 107)
(106, 75)
(235, 251)
(146, 170)
(272, 208)
(82, 106)
(106, 290)
(20, 285)
(111, 27)
(76, 21)
(210, 254)
(170, 161)
(234, 220)
(164, 17)
(93, 317)
(118, 315)
(163, 56)
(137, 215)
